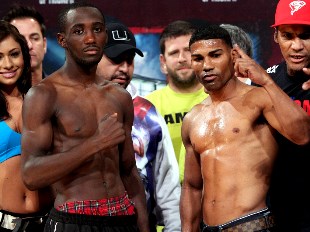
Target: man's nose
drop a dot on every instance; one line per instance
(297, 44)
(29, 43)
(89, 37)
(124, 66)
(182, 57)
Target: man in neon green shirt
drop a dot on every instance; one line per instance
(183, 90)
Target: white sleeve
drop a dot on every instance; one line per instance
(166, 182)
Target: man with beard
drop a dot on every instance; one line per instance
(231, 140)
(183, 90)
(153, 148)
(292, 75)
(77, 136)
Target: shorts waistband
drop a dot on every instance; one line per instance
(82, 219)
(10, 220)
(114, 206)
(256, 221)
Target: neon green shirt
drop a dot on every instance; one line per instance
(173, 107)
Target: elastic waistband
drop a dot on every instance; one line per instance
(256, 221)
(114, 206)
(81, 219)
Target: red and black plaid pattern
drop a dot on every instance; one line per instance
(114, 206)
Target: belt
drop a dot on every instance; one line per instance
(245, 224)
(14, 223)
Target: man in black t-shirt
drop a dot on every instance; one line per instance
(289, 189)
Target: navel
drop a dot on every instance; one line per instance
(236, 130)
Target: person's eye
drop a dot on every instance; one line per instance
(216, 55)
(97, 29)
(35, 38)
(287, 35)
(78, 31)
(15, 54)
(118, 60)
(304, 36)
(174, 53)
(197, 59)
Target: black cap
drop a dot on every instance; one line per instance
(120, 39)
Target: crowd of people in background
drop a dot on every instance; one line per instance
(224, 146)
(154, 154)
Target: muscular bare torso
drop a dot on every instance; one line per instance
(236, 167)
(77, 112)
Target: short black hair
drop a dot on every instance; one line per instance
(19, 11)
(173, 30)
(62, 16)
(211, 32)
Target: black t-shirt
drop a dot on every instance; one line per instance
(290, 183)
(291, 85)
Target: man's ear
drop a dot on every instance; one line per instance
(163, 66)
(61, 40)
(44, 44)
(107, 37)
(275, 36)
(235, 55)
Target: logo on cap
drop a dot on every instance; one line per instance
(116, 36)
(296, 6)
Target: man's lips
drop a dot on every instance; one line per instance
(209, 77)
(183, 68)
(297, 58)
(91, 49)
(120, 80)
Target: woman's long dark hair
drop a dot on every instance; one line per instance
(24, 81)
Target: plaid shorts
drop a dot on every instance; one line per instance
(114, 206)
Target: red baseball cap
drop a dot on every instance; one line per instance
(292, 12)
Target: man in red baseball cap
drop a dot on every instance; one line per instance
(290, 195)
(292, 28)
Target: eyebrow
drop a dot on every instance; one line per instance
(12, 50)
(77, 25)
(35, 33)
(210, 52)
(172, 51)
(83, 24)
(216, 50)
